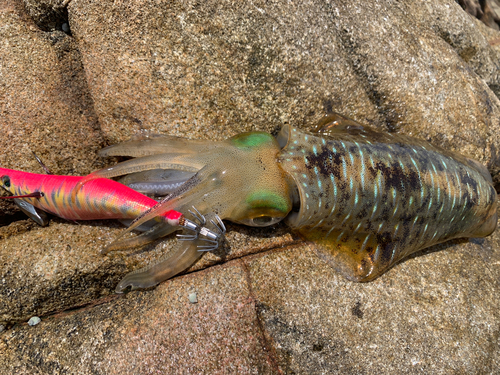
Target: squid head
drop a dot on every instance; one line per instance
(238, 179)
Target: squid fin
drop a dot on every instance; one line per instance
(342, 127)
(335, 122)
(359, 257)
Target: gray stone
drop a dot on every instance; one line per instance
(193, 298)
(34, 320)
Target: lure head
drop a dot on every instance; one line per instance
(6, 181)
(9, 181)
(12, 180)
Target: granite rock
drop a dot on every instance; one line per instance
(207, 70)
(150, 332)
(436, 313)
(487, 11)
(45, 105)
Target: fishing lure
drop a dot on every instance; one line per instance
(366, 199)
(107, 199)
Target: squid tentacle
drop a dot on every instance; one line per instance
(162, 206)
(137, 165)
(182, 257)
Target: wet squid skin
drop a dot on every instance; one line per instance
(366, 198)
(370, 199)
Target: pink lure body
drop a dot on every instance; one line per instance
(98, 199)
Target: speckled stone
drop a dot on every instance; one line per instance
(210, 69)
(51, 269)
(49, 15)
(45, 105)
(488, 11)
(265, 64)
(474, 42)
(419, 82)
(46, 270)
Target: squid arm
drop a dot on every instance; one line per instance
(159, 145)
(182, 257)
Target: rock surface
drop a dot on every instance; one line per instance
(208, 70)
(488, 11)
(45, 104)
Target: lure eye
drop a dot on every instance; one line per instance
(6, 181)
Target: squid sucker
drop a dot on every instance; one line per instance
(365, 198)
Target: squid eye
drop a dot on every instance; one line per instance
(264, 221)
(6, 181)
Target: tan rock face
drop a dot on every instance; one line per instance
(487, 11)
(417, 312)
(154, 331)
(211, 70)
(45, 105)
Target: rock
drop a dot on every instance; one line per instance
(403, 78)
(45, 104)
(487, 11)
(49, 15)
(208, 70)
(158, 330)
(439, 305)
(471, 39)
(48, 270)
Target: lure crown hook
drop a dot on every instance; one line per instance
(212, 239)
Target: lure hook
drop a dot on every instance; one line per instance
(212, 238)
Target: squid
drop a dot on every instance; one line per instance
(366, 199)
